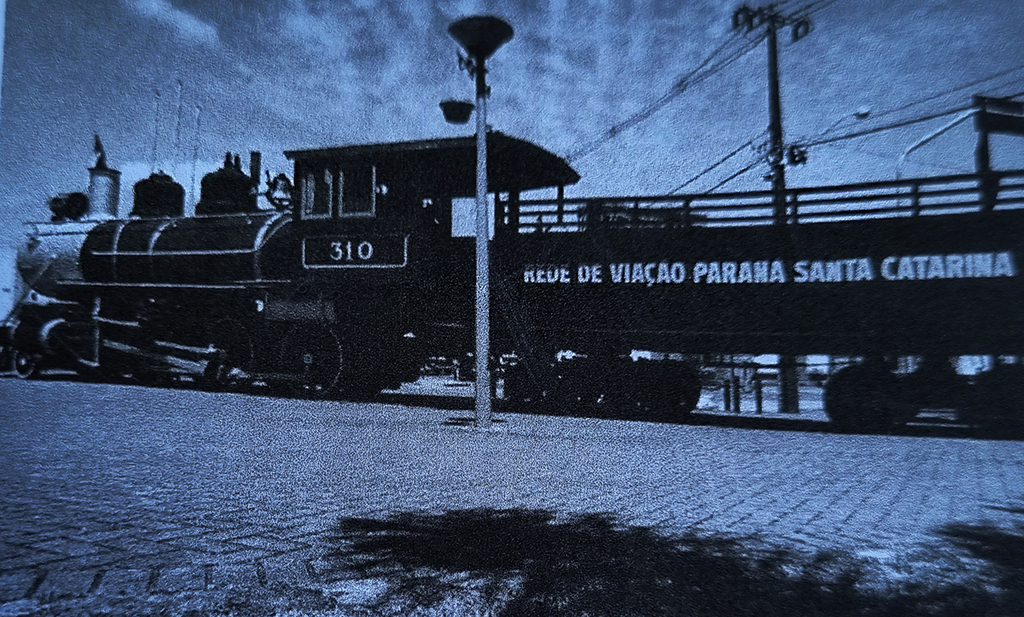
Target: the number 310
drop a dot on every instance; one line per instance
(343, 251)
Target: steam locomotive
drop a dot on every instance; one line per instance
(354, 278)
(337, 289)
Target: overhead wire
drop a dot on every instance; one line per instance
(694, 77)
(712, 167)
(649, 110)
(939, 95)
(803, 12)
(732, 177)
(888, 127)
(810, 7)
(821, 139)
(892, 159)
(819, 5)
(896, 125)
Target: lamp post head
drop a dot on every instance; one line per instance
(457, 112)
(480, 35)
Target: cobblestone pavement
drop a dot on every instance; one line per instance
(129, 500)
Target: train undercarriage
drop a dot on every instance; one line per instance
(218, 348)
(317, 360)
(865, 394)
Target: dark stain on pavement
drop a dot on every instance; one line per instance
(534, 563)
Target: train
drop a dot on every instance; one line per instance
(351, 277)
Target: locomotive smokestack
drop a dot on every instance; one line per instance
(255, 162)
(104, 186)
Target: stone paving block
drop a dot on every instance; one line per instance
(103, 559)
(19, 607)
(289, 571)
(269, 544)
(233, 576)
(203, 544)
(156, 524)
(359, 592)
(130, 543)
(119, 559)
(299, 529)
(243, 555)
(68, 547)
(125, 582)
(60, 584)
(170, 533)
(15, 585)
(34, 559)
(177, 580)
(263, 512)
(100, 536)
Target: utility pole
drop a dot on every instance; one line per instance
(778, 169)
(747, 19)
(993, 115)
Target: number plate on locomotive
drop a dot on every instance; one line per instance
(355, 251)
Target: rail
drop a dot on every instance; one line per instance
(871, 200)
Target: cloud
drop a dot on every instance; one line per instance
(184, 24)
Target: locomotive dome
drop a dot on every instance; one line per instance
(228, 190)
(158, 196)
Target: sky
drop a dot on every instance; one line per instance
(168, 82)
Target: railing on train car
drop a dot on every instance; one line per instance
(910, 197)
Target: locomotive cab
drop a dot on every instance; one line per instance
(411, 184)
(379, 217)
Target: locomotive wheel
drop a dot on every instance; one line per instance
(688, 390)
(995, 408)
(668, 392)
(571, 390)
(315, 356)
(26, 365)
(866, 397)
(235, 353)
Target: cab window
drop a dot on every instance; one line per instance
(317, 188)
(358, 194)
(332, 192)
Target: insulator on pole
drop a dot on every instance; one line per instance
(801, 28)
(742, 18)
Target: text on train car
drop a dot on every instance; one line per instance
(768, 271)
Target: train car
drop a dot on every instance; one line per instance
(926, 268)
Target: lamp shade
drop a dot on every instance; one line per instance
(457, 112)
(480, 35)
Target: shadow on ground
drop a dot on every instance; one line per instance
(528, 562)
(1000, 551)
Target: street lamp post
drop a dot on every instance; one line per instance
(481, 36)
